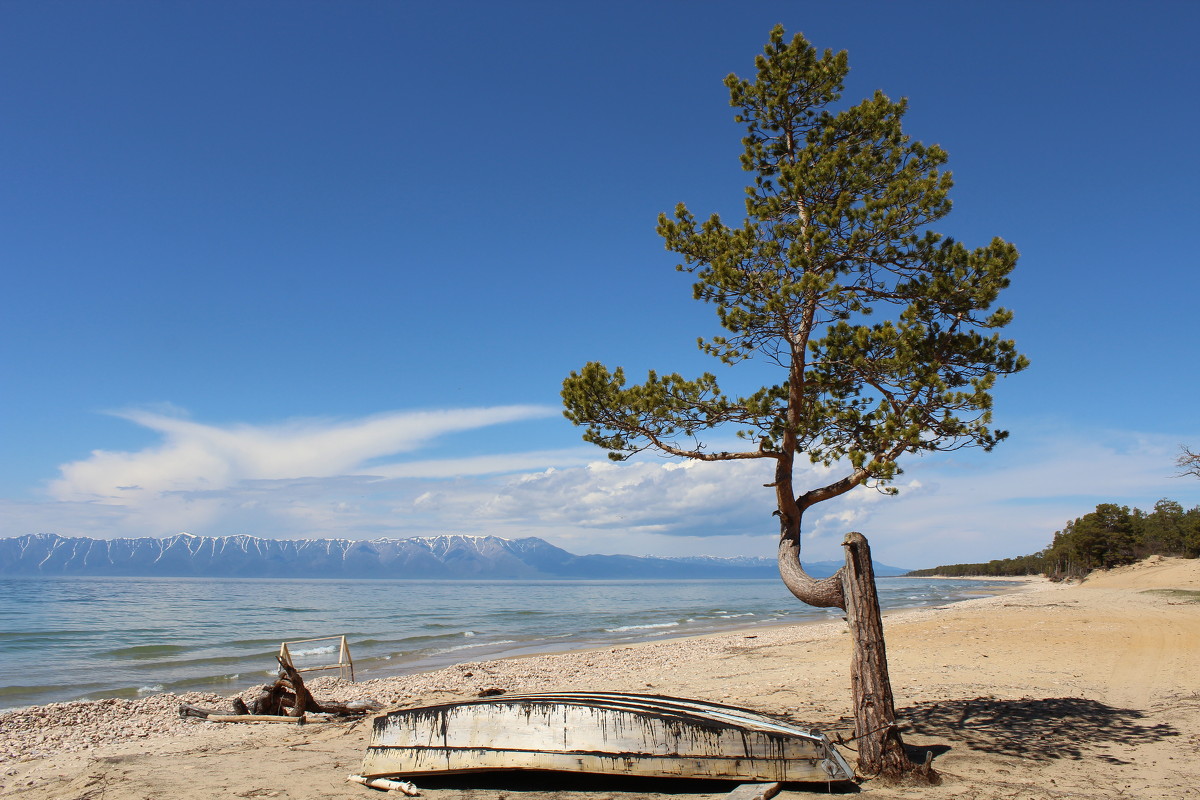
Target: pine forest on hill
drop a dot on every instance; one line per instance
(1110, 536)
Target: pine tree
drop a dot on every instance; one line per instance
(882, 330)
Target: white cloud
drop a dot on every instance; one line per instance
(964, 506)
(644, 506)
(482, 465)
(973, 506)
(322, 478)
(194, 456)
(684, 497)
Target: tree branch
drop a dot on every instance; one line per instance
(1189, 462)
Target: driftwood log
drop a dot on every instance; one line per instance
(285, 700)
(386, 784)
(754, 791)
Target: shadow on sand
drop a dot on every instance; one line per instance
(1041, 730)
(607, 785)
(532, 781)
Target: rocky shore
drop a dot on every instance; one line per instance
(1047, 692)
(71, 727)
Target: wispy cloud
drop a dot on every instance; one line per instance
(195, 456)
(483, 465)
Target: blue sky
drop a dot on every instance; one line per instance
(318, 269)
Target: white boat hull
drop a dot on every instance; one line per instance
(610, 733)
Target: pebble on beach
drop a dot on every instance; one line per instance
(75, 726)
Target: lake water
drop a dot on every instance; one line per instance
(70, 638)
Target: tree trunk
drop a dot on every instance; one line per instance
(822, 593)
(880, 748)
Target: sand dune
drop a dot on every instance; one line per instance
(1050, 691)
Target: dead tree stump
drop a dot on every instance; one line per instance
(880, 748)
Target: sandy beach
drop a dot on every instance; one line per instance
(1048, 691)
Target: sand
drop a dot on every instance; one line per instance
(1048, 691)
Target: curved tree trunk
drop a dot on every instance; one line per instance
(822, 593)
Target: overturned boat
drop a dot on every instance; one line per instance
(601, 732)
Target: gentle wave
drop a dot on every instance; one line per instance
(135, 637)
(19, 690)
(206, 661)
(646, 627)
(474, 646)
(255, 643)
(41, 634)
(146, 651)
(316, 651)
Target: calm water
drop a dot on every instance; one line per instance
(67, 638)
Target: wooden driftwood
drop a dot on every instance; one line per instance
(186, 710)
(302, 700)
(255, 718)
(386, 784)
(755, 791)
(285, 700)
(220, 716)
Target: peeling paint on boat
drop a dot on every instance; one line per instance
(605, 732)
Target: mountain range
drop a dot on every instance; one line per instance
(452, 556)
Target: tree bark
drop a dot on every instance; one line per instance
(290, 678)
(822, 593)
(880, 748)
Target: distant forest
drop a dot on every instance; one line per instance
(1107, 537)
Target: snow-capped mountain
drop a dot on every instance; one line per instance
(442, 557)
(437, 557)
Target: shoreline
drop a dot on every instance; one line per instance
(452, 679)
(1048, 691)
(996, 578)
(536, 651)
(379, 665)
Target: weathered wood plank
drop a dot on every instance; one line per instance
(755, 791)
(598, 722)
(254, 718)
(411, 763)
(609, 733)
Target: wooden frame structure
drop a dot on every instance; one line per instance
(344, 664)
